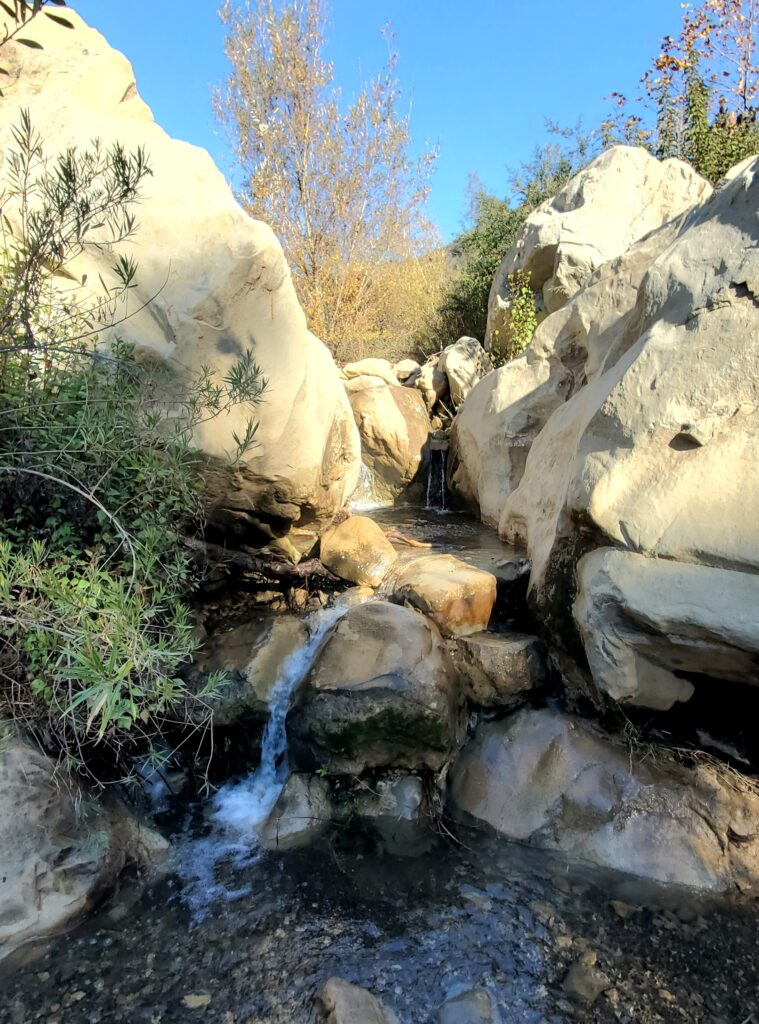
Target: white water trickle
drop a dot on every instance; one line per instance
(365, 497)
(240, 809)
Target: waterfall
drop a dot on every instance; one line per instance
(243, 807)
(240, 809)
(365, 497)
(436, 489)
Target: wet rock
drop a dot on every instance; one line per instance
(498, 669)
(343, 1003)
(475, 1006)
(554, 781)
(394, 427)
(302, 813)
(250, 655)
(395, 811)
(457, 597)
(55, 863)
(357, 550)
(585, 982)
(382, 693)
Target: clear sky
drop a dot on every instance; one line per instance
(481, 77)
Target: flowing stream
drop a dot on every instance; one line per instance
(248, 936)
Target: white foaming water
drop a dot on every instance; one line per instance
(240, 809)
(365, 497)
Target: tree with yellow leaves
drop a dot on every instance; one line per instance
(335, 180)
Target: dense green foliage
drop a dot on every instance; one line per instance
(522, 320)
(97, 481)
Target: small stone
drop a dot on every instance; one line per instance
(563, 941)
(585, 983)
(475, 1006)
(622, 909)
(197, 1001)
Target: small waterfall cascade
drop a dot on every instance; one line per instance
(244, 807)
(240, 809)
(366, 497)
(436, 488)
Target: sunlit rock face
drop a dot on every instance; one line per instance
(214, 284)
(656, 455)
(555, 782)
(599, 235)
(616, 200)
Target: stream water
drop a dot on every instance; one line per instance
(235, 935)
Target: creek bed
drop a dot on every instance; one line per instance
(473, 912)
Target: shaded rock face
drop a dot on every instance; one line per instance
(456, 596)
(498, 669)
(302, 813)
(381, 694)
(358, 551)
(218, 286)
(657, 454)
(464, 363)
(56, 863)
(394, 810)
(550, 780)
(643, 620)
(250, 655)
(394, 429)
(613, 202)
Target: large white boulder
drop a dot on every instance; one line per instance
(610, 204)
(659, 453)
(504, 413)
(216, 285)
(464, 363)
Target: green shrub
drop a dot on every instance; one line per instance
(521, 322)
(97, 481)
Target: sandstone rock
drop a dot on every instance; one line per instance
(215, 282)
(544, 778)
(394, 428)
(617, 199)
(250, 655)
(644, 619)
(344, 1003)
(381, 694)
(464, 363)
(457, 597)
(394, 810)
(56, 863)
(302, 813)
(357, 550)
(492, 435)
(405, 368)
(372, 368)
(363, 382)
(498, 669)
(658, 453)
(431, 381)
(475, 1006)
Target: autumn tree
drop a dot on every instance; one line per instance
(703, 86)
(334, 178)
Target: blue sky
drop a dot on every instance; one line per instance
(481, 77)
